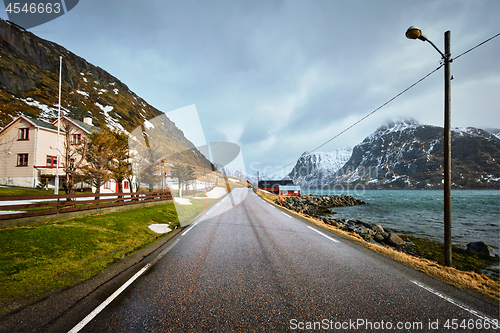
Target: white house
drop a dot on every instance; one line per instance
(28, 152)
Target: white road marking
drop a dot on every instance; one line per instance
(188, 229)
(319, 232)
(287, 215)
(96, 311)
(446, 298)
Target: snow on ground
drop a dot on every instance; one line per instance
(104, 109)
(3, 212)
(182, 201)
(160, 228)
(217, 192)
(82, 93)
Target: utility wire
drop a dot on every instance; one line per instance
(458, 56)
(369, 114)
(401, 93)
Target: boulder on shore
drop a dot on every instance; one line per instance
(481, 247)
(395, 240)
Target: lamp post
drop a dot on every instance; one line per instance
(56, 181)
(416, 33)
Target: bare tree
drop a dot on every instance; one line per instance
(6, 143)
(74, 151)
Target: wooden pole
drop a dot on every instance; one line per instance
(447, 151)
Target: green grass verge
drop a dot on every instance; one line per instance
(40, 259)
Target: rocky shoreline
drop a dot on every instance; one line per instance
(316, 205)
(319, 206)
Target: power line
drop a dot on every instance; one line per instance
(401, 93)
(458, 56)
(369, 114)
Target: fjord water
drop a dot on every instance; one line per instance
(475, 213)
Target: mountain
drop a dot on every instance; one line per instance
(494, 131)
(314, 169)
(29, 84)
(407, 154)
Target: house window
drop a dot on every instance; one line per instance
(24, 134)
(126, 185)
(76, 139)
(22, 159)
(107, 185)
(51, 161)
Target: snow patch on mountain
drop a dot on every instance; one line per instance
(313, 169)
(48, 112)
(494, 131)
(82, 93)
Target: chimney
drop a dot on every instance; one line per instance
(88, 121)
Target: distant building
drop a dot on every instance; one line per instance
(273, 186)
(289, 190)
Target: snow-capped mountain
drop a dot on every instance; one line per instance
(254, 179)
(407, 154)
(494, 131)
(314, 169)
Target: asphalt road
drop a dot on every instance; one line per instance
(246, 266)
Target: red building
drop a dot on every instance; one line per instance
(289, 190)
(281, 187)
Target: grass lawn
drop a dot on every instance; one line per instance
(40, 259)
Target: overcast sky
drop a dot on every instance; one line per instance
(281, 77)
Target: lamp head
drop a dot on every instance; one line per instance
(415, 33)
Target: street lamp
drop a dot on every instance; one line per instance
(56, 181)
(416, 33)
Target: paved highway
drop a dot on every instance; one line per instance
(246, 266)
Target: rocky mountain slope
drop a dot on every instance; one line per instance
(314, 169)
(29, 83)
(408, 154)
